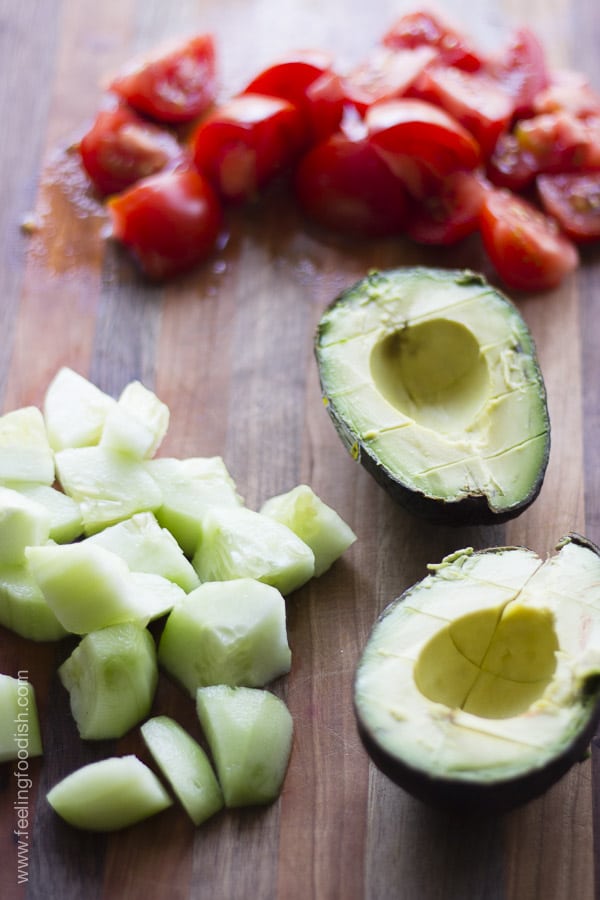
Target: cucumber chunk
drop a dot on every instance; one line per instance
(137, 423)
(241, 543)
(23, 522)
(19, 724)
(74, 410)
(317, 524)
(111, 677)
(25, 454)
(146, 547)
(186, 767)
(66, 523)
(249, 732)
(226, 632)
(23, 607)
(109, 795)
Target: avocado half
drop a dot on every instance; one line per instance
(479, 687)
(432, 381)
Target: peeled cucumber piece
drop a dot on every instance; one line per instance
(23, 522)
(109, 486)
(249, 732)
(74, 410)
(189, 488)
(146, 547)
(152, 595)
(19, 723)
(186, 767)
(317, 524)
(25, 454)
(66, 523)
(108, 795)
(226, 632)
(23, 607)
(240, 543)
(111, 677)
(137, 423)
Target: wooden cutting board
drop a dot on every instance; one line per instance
(229, 348)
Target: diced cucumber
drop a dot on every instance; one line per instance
(137, 423)
(226, 632)
(23, 607)
(317, 524)
(186, 767)
(109, 486)
(240, 543)
(74, 410)
(111, 677)
(19, 724)
(109, 795)
(146, 547)
(189, 487)
(25, 454)
(152, 596)
(66, 523)
(249, 732)
(23, 523)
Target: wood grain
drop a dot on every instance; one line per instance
(229, 348)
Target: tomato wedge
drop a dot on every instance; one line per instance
(175, 84)
(121, 147)
(170, 221)
(344, 185)
(449, 214)
(574, 201)
(426, 28)
(386, 74)
(244, 143)
(568, 90)
(525, 246)
(521, 70)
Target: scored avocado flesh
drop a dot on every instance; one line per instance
(433, 374)
(483, 670)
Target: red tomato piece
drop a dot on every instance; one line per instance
(560, 141)
(521, 69)
(120, 148)
(344, 185)
(570, 91)
(244, 143)
(169, 221)
(413, 133)
(325, 106)
(175, 84)
(525, 246)
(574, 201)
(474, 99)
(451, 213)
(425, 28)
(510, 166)
(385, 75)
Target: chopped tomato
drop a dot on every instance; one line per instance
(120, 148)
(424, 28)
(413, 133)
(574, 201)
(325, 106)
(474, 99)
(343, 184)
(525, 246)
(560, 141)
(521, 70)
(169, 221)
(384, 75)
(570, 91)
(244, 143)
(510, 166)
(175, 85)
(449, 214)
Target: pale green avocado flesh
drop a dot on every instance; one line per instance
(432, 381)
(484, 673)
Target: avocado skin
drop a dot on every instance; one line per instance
(485, 798)
(472, 509)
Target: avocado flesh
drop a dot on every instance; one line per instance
(485, 674)
(431, 379)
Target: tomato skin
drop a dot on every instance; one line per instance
(524, 245)
(170, 222)
(521, 69)
(344, 185)
(121, 147)
(386, 74)
(450, 213)
(418, 29)
(244, 143)
(574, 201)
(175, 84)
